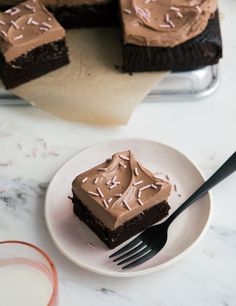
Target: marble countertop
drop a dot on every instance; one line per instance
(33, 145)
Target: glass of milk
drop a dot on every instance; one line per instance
(28, 277)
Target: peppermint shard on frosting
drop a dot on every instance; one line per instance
(32, 43)
(119, 198)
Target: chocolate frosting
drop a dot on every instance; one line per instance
(164, 23)
(119, 189)
(25, 27)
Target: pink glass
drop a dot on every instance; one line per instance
(19, 252)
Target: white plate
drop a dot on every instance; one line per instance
(73, 237)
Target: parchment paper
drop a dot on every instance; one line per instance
(91, 89)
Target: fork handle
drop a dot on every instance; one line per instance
(224, 171)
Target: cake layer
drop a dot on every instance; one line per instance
(119, 189)
(164, 23)
(34, 64)
(203, 50)
(113, 238)
(87, 15)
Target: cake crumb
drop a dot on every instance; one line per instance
(19, 146)
(6, 164)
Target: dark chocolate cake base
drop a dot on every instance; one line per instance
(34, 64)
(201, 51)
(113, 238)
(87, 15)
(84, 15)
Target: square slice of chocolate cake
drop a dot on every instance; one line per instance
(78, 13)
(32, 43)
(178, 37)
(119, 198)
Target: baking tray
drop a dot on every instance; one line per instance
(177, 86)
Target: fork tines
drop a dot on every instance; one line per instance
(127, 247)
(136, 251)
(141, 260)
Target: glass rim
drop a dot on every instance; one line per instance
(48, 259)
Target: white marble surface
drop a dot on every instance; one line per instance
(204, 130)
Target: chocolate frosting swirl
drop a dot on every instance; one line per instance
(164, 23)
(25, 27)
(119, 189)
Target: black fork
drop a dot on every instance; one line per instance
(152, 240)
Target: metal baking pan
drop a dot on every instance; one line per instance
(184, 86)
(180, 86)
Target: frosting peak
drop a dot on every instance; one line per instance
(165, 23)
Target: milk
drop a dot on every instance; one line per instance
(22, 285)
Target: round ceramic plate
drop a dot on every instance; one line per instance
(79, 244)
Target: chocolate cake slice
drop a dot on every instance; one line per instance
(86, 13)
(78, 13)
(119, 198)
(176, 35)
(32, 43)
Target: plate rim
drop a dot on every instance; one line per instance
(123, 274)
